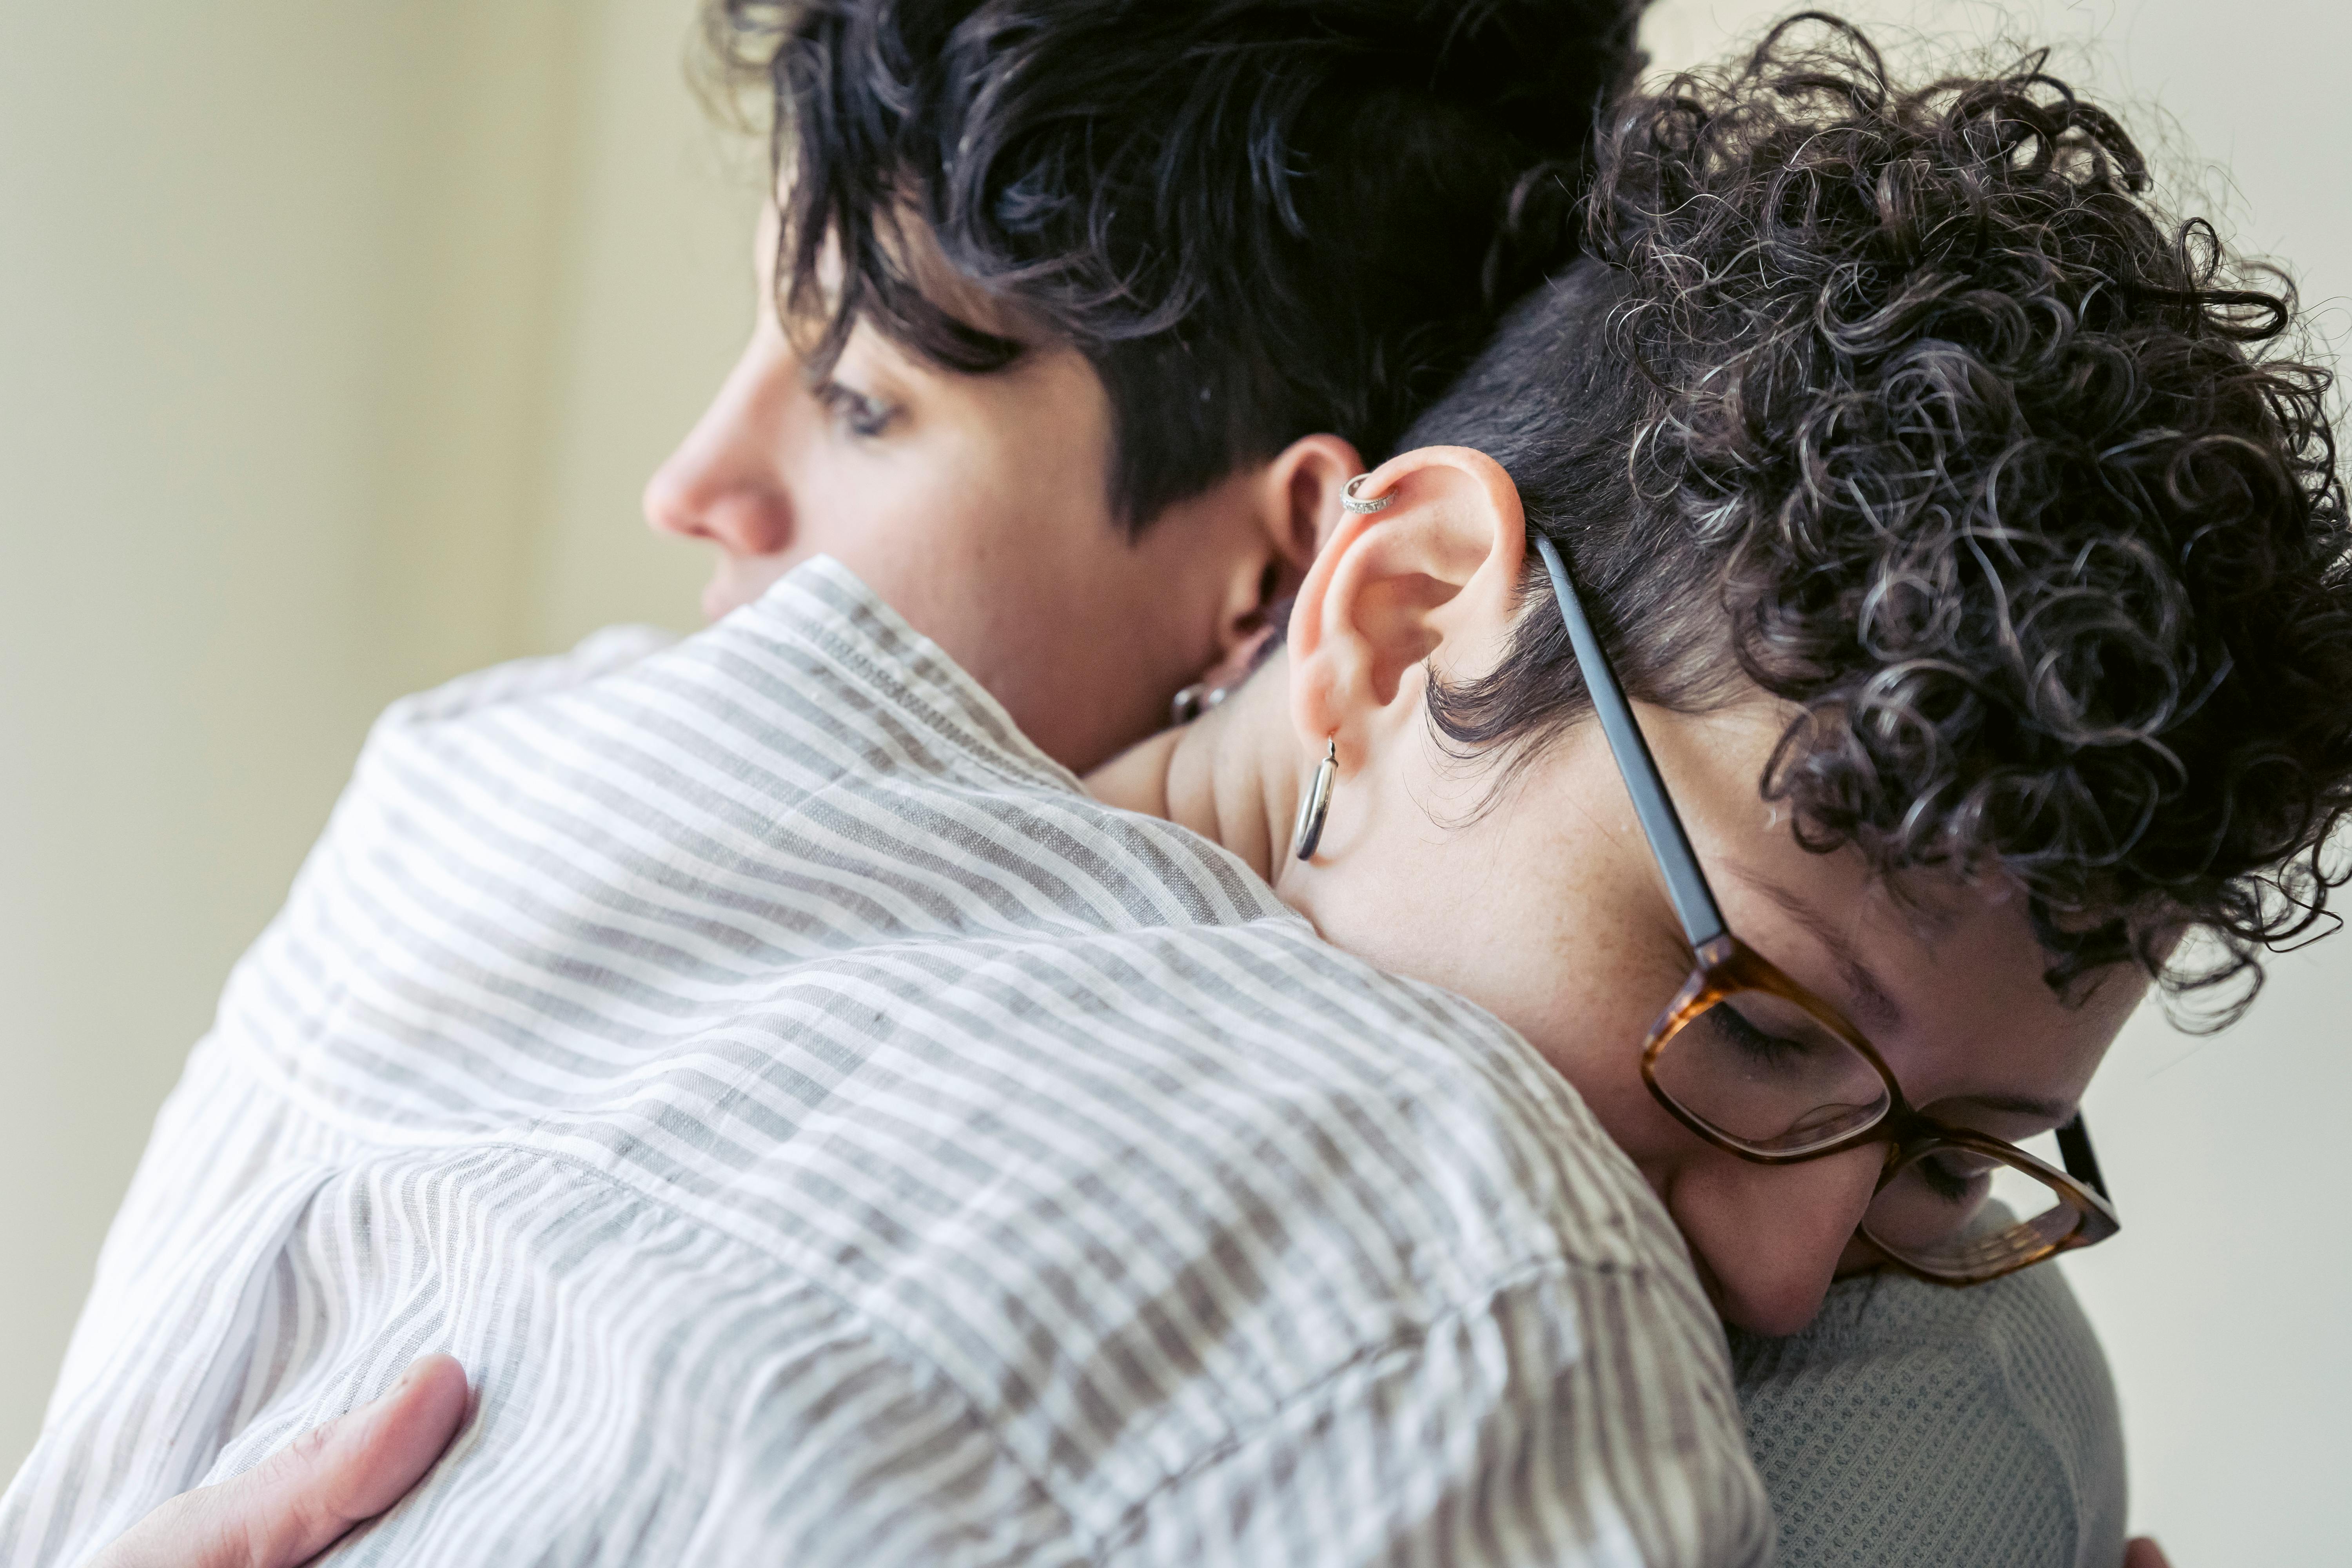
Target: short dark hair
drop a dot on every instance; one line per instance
(1259, 219)
(1910, 408)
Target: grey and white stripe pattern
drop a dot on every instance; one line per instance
(827, 1136)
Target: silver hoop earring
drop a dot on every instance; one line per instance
(1351, 501)
(1315, 804)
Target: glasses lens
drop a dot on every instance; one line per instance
(1770, 1076)
(1964, 1215)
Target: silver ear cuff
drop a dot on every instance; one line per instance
(1351, 501)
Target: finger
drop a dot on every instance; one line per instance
(354, 1467)
(301, 1500)
(2144, 1553)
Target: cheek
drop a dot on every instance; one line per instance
(1028, 600)
(1610, 1083)
(1549, 953)
(936, 550)
(949, 517)
(1593, 1036)
(1600, 1054)
(1766, 1241)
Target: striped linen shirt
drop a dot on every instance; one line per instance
(828, 1136)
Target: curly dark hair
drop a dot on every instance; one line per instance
(1909, 407)
(1259, 219)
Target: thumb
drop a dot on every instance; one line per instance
(2144, 1553)
(300, 1501)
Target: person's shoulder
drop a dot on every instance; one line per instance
(1183, 1207)
(2020, 1461)
(818, 668)
(1354, 1154)
(824, 621)
(1451, 1111)
(599, 654)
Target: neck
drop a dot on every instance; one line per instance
(1232, 776)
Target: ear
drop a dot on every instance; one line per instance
(1437, 568)
(1293, 506)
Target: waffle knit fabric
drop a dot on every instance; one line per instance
(1922, 1426)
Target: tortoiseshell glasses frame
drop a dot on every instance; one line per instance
(2080, 1212)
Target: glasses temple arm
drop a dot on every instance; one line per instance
(2074, 1149)
(1687, 885)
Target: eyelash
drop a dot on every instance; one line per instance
(1950, 1188)
(1758, 1042)
(860, 415)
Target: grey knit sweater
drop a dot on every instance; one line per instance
(1916, 1426)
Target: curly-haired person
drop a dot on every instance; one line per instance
(1970, 546)
(1904, 417)
(1978, 522)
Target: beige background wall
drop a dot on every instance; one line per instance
(335, 340)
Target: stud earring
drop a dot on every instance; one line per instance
(1315, 804)
(1195, 701)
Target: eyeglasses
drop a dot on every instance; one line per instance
(1757, 1066)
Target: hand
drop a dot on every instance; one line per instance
(2144, 1553)
(300, 1501)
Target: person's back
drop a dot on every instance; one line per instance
(827, 1131)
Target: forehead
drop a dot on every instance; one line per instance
(1943, 974)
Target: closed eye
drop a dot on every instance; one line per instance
(1749, 1040)
(1954, 1175)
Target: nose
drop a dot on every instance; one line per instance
(727, 482)
(1770, 1236)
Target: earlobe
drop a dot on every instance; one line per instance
(1438, 568)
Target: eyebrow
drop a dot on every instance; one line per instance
(1873, 999)
(2024, 1105)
